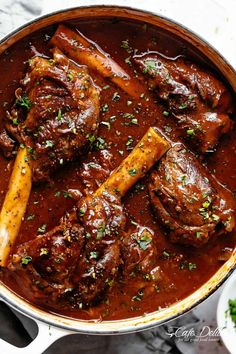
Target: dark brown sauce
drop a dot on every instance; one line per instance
(47, 205)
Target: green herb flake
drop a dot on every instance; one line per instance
(166, 113)
(49, 143)
(67, 194)
(81, 212)
(206, 204)
(26, 260)
(139, 296)
(105, 108)
(24, 102)
(165, 254)
(190, 132)
(150, 65)
(59, 115)
(232, 310)
(30, 217)
(215, 217)
(69, 76)
(144, 240)
(125, 44)
(183, 106)
(15, 121)
(93, 255)
(42, 229)
(133, 172)
(192, 266)
(116, 97)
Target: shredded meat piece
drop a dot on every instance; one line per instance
(188, 200)
(7, 144)
(56, 110)
(196, 99)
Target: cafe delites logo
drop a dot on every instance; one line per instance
(186, 334)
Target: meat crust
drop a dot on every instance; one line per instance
(189, 202)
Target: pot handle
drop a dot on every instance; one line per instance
(45, 337)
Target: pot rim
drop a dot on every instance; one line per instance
(163, 315)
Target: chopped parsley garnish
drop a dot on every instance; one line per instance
(93, 255)
(133, 172)
(198, 234)
(25, 260)
(24, 102)
(183, 106)
(105, 108)
(30, 217)
(129, 143)
(42, 229)
(144, 240)
(57, 194)
(232, 310)
(206, 204)
(81, 212)
(125, 44)
(150, 65)
(99, 144)
(215, 217)
(188, 265)
(49, 143)
(183, 179)
(165, 254)
(59, 115)
(101, 231)
(190, 132)
(15, 121)
(166, 113)
(91, 138)
(93, 165)
(69, 76)
(116, 97)
(139, 296)
(67, 194)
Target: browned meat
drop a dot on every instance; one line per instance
(139, 252)
(103, 220)
(7, 144)
(78, 259)
(188, 200)
(48, 261)
(140, 256)
(55, 112)
(199, 102)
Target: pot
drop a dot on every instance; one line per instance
(51, 326)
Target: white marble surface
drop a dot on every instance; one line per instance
(214, 20)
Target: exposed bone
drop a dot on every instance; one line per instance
(83, 51)
(15, 203)
(144, 155)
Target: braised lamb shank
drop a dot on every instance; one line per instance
(199, 103)
(80, 258)
(56, 110)
(188, 200)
